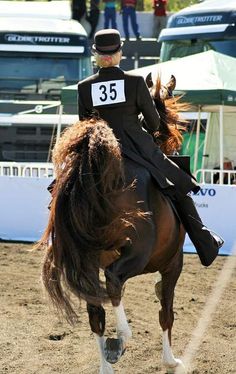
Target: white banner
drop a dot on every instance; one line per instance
(23, 207)
(24, 212)
(216, 205)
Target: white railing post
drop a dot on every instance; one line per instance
(197, 140)
(207, 176)
(59, 123)
(221, 139)
(22, 169)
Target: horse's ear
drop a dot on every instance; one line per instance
(149, 80)
(171, 84)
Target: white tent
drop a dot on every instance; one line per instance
(208, 82)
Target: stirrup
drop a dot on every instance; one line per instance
(219, 240)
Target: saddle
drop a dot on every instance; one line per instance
(183, 162)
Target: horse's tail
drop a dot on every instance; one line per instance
(85, 216)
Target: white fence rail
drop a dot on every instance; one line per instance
(31, 169)
(215, 176)
(45, 170)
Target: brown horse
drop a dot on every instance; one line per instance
(109, 222)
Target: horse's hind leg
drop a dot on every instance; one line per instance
(97, 324)
(114, 348)
(131, 262)
(122, 327)
(165, 293)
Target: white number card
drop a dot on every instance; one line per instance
(109, 92)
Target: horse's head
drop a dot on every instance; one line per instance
(168, 137)
(159, 91)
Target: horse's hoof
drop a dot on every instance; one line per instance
(113, 350)
(106, 368)
(179, 368)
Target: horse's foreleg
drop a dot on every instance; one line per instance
(97, 324)
(165, 292)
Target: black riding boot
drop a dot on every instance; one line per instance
(207, 243)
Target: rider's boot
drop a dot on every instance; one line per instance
(206, 242)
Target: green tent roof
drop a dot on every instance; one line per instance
(207, 78)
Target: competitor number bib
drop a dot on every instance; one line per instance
(109, 92)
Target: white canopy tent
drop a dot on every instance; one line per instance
(208, 82)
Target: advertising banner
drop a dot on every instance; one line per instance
(216, 205)
(23, 207)
(24, 210)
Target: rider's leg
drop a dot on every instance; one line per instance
(207, 243)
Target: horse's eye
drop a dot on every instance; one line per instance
(162, 93)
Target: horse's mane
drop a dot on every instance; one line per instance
(169, 135)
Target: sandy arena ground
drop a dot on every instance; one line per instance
(33, 340)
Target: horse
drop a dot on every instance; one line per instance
(109, 222)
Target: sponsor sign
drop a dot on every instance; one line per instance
(23, 207)
(24, 213)
(42, 39)
(198, 20)
(201, 19)
(216, 205)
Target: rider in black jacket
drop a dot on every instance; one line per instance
(118, 98)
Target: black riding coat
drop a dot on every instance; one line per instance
(119, 98)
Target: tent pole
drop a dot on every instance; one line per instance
(221, 134)
(205, 160)
(197, 140)
(59, 123)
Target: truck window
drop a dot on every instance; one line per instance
(173, 49)
(40, 74)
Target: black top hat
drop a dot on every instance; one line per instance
(107, 42)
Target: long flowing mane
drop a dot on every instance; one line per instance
(169, 136)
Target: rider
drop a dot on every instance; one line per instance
(118, 98)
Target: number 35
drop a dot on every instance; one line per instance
(112, 94)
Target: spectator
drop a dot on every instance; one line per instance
(228, 178)
(159, 16)
(128, 10)
(93, 16)
(78, 8)
(110, 14)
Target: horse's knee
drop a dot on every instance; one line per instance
(96, 319)
(158, 289)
